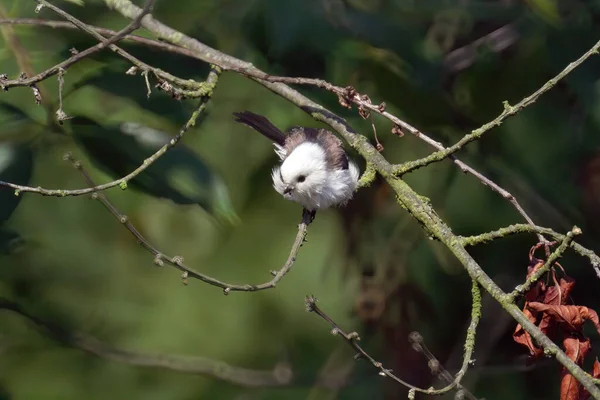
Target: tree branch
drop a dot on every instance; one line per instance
(211, 82)
(522, 228)
(5, 84)
(352, 339)
(508, 111)
(177, 261)
(556, 254)
(281, 375)
(103, 31)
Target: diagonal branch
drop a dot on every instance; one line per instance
(211, 82)
(521, 228)
(103, 31)
(352, 339)
(556, 254)
(5, 84)
(281, 375)
(508, 112)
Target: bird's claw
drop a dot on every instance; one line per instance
(308, 215)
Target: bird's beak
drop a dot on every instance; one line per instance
(288, 190)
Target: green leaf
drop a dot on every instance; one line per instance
(180, 175)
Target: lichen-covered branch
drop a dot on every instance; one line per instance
(556, 254)
(524, 228)
(508, 111)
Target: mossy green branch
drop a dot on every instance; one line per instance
(368, 176)
(526, 228)
(556, 254)
(507, 112)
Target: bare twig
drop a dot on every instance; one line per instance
(522, 228)
(5, 84)
(22, 56)
(353, 338)
(177, 261)
(281, 375)
(179, 88)
(211, 82)
(105, 32)
(436, 367)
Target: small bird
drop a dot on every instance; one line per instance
(315, 170)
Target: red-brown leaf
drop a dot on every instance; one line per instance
(522, 337)
(576, 349)
(560, 292)
(571, 316)
(596, 369)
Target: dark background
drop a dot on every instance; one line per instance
(371, 266)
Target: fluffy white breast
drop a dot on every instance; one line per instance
(320, 187)
(305, 159)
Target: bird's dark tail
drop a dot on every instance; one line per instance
(262, 125)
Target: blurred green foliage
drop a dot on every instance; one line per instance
(370, 265)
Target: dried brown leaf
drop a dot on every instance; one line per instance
(571, 317)
(596, 369)
(523, 338)
(576, 349)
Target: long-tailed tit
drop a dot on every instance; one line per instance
(315, 170)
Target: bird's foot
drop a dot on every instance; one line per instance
(308, 216)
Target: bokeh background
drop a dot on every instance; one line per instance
(443, 66)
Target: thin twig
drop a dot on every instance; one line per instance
(177, 261)
(556, 254)
(211, 82)
(104, 31)
(436, 367)
(281, 375)
(180, 88)
(5, 84)
(508, 111)
(353, 338)
(524, 228)
(23, 59)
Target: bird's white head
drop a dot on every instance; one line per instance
(303, 173)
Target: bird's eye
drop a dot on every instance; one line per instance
(301, 178)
